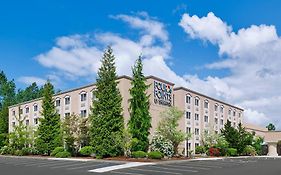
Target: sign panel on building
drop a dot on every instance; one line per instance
(162, 93)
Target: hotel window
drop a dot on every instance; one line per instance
(221, 109)
(188, 115)
(14, 113)
(83, 113)
(83, 97)
(216, 107)
(57, 102)
(196, 102)
(188, 130)
(229, 112)
(188, 99)
(67, 100)
(196, 131)
(234, 113)
(26, 122)
(196, 116)
(234, 124)
(21, 111)
(239, 115)
(36, 121)
(221, 121)
(67, 114)
(206, 104)
(35, 108)
(27, 110)
(206, 119)
(196, 145)
(13, 124)
(216, 120)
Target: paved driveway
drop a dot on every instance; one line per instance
(238, 166)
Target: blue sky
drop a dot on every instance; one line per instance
(189, 55)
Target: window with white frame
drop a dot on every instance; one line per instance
(26, 110)
(196, 131)
(83, 113)
(14, 113)
(229, 112)
(206, 104)
(196, 117)
(83, 96)
(67, 114)
(21, 111)
(216, 107)
(188, 115)
(188, 130)
(57, 102)
(35, 108)
(36, 121)
(67, 100)
(221, 121)
(196, 101)
(206, 119)
(27, 122)
(188, 99)
(234, 113)
(221, 109)
(216, 120)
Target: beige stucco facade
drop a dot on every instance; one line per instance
(201, 113)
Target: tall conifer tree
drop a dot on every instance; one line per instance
(49, 131)
(107, 122)
(140, 119)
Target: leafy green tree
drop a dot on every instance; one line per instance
(107, 122)
(7, 98)
(230, 134)
(168, 127)
(140, 119)
(245, 138)
(257, 144)
(270, 127)
(49, 130)
(29, 93)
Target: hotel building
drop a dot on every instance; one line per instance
(202, 114)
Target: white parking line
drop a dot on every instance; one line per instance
(117, 167)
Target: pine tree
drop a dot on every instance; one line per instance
(49, 131)
(140, 119)
(107, 122)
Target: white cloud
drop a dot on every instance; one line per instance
(253, 59)
(28, 80)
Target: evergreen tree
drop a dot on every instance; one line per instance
(49, 130)
(230, 134)
(107, 122)
(140, 119)
(29, 93)
(7, 98)
(270, 127)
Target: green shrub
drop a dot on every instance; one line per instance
(57, 150)
(63, 154)
(155, 155)
(86, 151)
(138, 154)
(18, 153)
(232, 152)
(5, 150)
(200, 150)
(249, 151)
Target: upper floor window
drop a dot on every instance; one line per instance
(14, 112)
(229, 112)
(21, 111)
(188, 115)
(188, 99)
(57, 102)
(27, 110)
(196, 116)
(221, 109)
(239, 114)
(196, 131)
(188, 130)
(196, 101)
(83, 97)
(234, 113)
(67, 100)
(35, 108)
(216, 120)
(206, 119)
(206, 104)
(221, 121)
(216, 107)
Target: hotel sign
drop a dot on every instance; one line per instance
(162, 94)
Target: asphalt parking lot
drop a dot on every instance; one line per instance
(237, 166)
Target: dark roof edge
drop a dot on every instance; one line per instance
(186, 89)
(67, 91)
